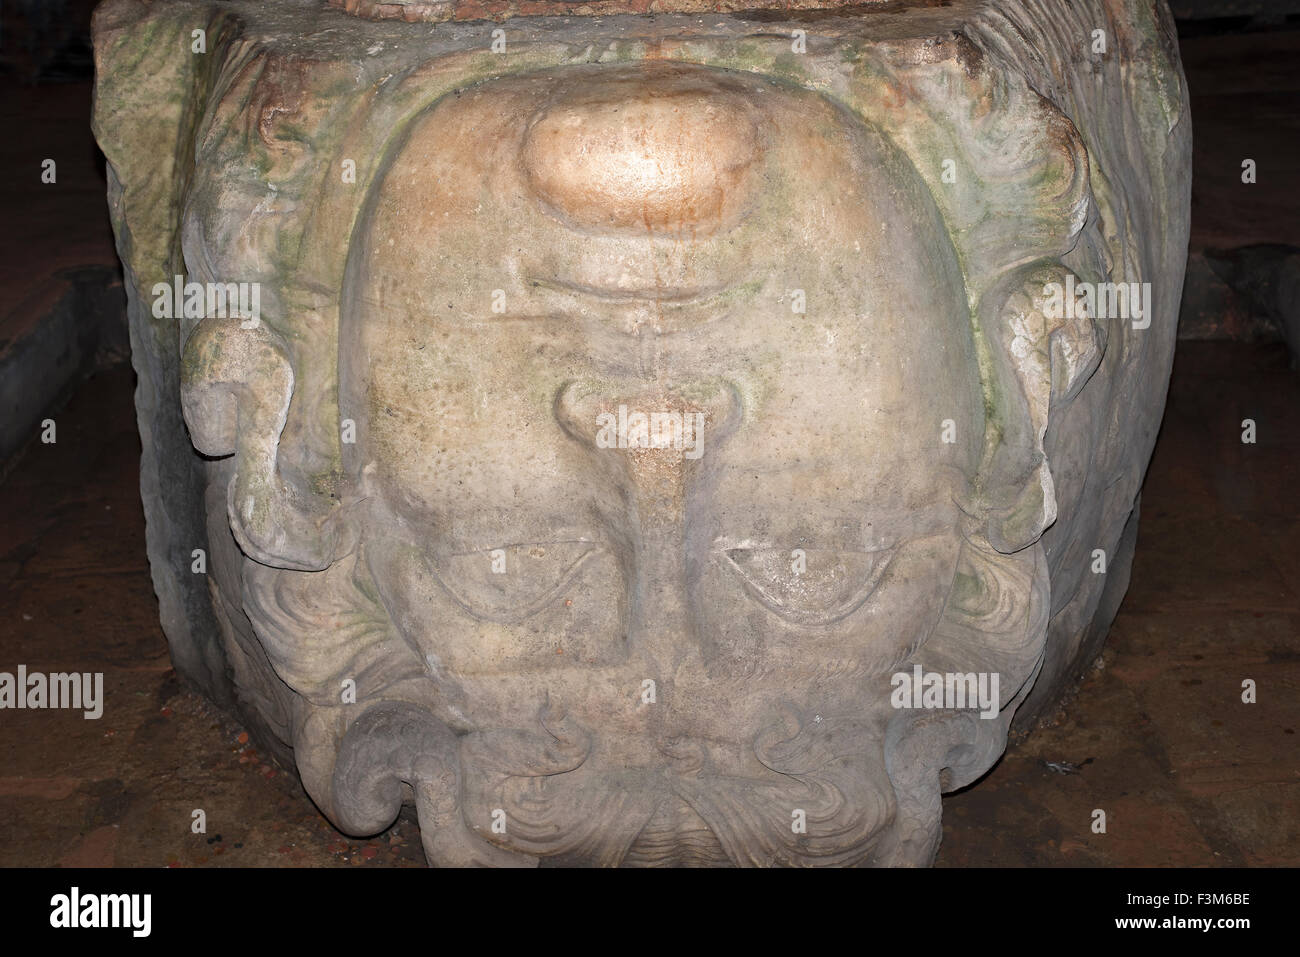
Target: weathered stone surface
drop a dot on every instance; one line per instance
(827, 255)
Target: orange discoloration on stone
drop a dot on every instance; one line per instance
(668, 158)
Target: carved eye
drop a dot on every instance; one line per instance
(809, 586)
(513, 582)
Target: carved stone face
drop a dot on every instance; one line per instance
(545, 250)
(644, 396)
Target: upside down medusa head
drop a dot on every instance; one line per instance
(647, 396)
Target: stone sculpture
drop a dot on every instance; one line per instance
(586, 425)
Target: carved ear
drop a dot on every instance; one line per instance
(236, 384)
(1040, 351)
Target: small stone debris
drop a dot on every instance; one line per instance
(1061, 767)
(1066, 767)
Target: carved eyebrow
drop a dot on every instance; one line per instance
(519, 599)
(462, 538)
(810, 608)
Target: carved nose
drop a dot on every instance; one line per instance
(670, 153)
